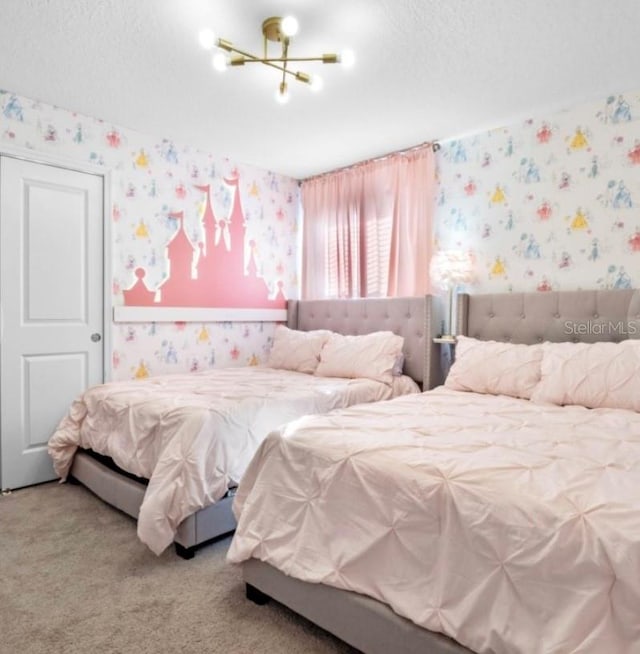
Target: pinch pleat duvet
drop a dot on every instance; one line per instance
(193, 435)
(510, 526)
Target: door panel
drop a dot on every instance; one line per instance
(49, 380)
(55, 222)
(51, 291)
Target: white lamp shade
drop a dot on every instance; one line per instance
(450, 268)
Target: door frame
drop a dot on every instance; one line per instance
(50, 159)
(69, 163)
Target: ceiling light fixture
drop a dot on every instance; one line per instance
(279, 30)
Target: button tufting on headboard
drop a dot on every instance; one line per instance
(557, 316)
(406, 316)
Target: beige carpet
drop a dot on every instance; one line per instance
(74, 578)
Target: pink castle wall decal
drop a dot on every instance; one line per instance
(213, 274)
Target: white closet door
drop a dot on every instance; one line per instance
(51, 297)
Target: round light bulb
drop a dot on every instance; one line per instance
(347, 58)
(282, 95)
(207, 39)
(289, 26)
(316, 83)
(220, 61)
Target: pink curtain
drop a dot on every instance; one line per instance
(367, 228)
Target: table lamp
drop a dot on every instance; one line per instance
(450, 269)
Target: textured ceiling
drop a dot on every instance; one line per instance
(425, 69)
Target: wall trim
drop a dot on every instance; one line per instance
(195, 314)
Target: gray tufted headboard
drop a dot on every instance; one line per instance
(586, 316)
(405, 316)
(580, 316)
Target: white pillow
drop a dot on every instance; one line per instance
(371, 355)
(296, 350)
(495, 368)
(593, 375)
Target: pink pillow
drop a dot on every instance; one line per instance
(373, 356)
(593, 375)
(296, 350)
(495, 368)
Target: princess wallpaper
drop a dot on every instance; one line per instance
(553, 203)
(549, 203)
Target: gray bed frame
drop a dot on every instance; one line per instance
(370, 625)
(404, 316)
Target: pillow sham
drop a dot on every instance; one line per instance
(297, 350)
(371, 355)
(495, 368)
(594, 375)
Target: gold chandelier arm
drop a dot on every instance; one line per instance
(325, 59)
(229, 47)
(299, 75)
(285, 51)
(247, 58)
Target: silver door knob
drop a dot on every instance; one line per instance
(95, 337)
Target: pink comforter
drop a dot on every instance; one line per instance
(509, 526)
(193, 435)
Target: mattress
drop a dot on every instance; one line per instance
(509, 526)
(193, 435)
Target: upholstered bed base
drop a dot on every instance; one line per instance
(127, 494)
(408, 317)
(365, 623)
(369, 625)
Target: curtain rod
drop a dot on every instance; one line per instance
(433, 144)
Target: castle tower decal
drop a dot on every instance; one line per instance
(213, 272)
